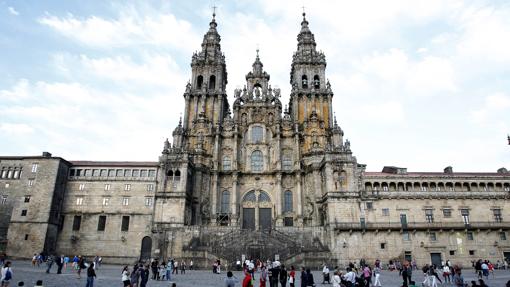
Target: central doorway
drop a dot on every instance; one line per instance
(435, 258)
(257, 211)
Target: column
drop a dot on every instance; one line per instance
(278, 204)
(299, 200)
(233, 201)
(214, 197)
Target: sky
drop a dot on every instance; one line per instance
(417, 84)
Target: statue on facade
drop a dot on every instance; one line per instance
(309, 207)
(205, 208)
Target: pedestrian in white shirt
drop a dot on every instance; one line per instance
(336, 279)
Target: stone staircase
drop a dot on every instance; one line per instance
(230, 244)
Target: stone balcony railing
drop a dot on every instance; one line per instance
(420, 225)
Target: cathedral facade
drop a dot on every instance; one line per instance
(254, 178)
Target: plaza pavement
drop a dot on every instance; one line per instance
(110, 276)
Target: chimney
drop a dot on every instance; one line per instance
(46, 154)
(448, 170)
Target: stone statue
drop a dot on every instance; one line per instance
(205, 209)
(237, 93)
(309, 208)
(257, 92)
(276, 93)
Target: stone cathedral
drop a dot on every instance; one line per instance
(255, 179)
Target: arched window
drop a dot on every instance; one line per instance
(170, 173)
(226, 163)
(257, 162)
(177, 175)
(287, 161)
(225, 202)
(250, 196)
(316, 82)
(212, 82)
(304, 81)
(257, 134)
(264, 197)
(200, 81)
(287, 201)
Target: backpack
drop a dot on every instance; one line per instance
(8, 275)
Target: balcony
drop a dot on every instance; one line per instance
(340, 226)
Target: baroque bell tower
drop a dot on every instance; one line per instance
(311, 95)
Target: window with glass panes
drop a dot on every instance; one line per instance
(497, 215)
(257, 134)
(257, 162)
(429, 215)
(225, 202)
(287, 201)
(226, 163)
(286, 161)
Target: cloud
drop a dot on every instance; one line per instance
(10, 128)
(13, 11)
(129, 28)
(493, 110)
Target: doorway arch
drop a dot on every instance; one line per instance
(257, 210)
(145, 251)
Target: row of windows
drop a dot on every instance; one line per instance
(433, 237)
(108, 186)
(252, 197)
(258, 162)
(113, 172)
(107, 200)
(447, 213)
(101, 223)
(11, 173)
(432, 186)
(316, 82)
(212, 82)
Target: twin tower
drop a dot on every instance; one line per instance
(253, 164)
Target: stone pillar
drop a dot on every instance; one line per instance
(299, 200)
(233, 202)
(186, 111)
(214, 197)
(278, 203)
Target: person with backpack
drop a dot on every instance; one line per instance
(6, 274)
(91, 274)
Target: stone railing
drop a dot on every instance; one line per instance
(419, 225)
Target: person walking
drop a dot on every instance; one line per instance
(91, 274)
(6, 274)
(263, 276)
(169, 267)
(144, 276)
(292, 276)
(303, 277)
(377, 273)
(231, 281)
(125, 276)
(336, 279)
(135, 275)
(183, 267)
(79, 266)
(350, 277)
(154, 269)
(283, 276)
(49, 263)
(325, 275)
(60, 264)
(309, 278)
(367, 275)
(247, 279)
(458, 279)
